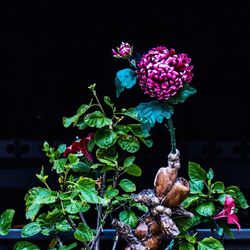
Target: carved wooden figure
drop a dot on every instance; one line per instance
(163, 203)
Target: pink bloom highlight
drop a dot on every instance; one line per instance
(228, 212)
(124, 51)
(162, 72)
(80, 147)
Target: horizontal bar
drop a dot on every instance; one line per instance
(108, 234)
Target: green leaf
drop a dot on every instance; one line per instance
(206, 208)
(226, 229)
(182, 94)
(111, 192)
(236, 193)
(73, 158)
(210, 174)
(218, 187)
(97, 119)
(129, 143)
(74, 119)
(127, 185)
(190, 238)
(63, 226)
(147, 142)
(134, 170)
(186, 246)
(210, 244)
(36, 198)
(67, 121)
(31, 229)
(83, 233)
(125, 78)
(186, 223)
(129, 218)
(6, 220)
(46, 146)
(196, 187)
(69, 247)
(81, 167)
(151, 112)
(76, 207)
(59, 165)
(128, 161)
(86, 186)
(107, 153)
(141, 207)
(196, 172)
(25, 245)
(105, 137)
(190, 200)
(108, 101)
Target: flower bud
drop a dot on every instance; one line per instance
(164, 180)
(124, 51)
(177, 194)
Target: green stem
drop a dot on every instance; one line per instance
(171, 130)
(98, 101)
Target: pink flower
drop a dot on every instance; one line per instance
(228, 212)
(80, 147)
(162, 72)
(124, 51)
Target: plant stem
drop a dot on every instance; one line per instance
(72, 224)
(99, 230)
(115, 242)
(98, 101)
(99, 211)
(171, 130)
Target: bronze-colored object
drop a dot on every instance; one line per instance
(163, 203)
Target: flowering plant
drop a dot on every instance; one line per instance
(95, 173)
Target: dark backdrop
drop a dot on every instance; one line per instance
(51, 52)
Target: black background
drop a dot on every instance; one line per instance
(51, 52)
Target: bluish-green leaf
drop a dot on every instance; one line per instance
(81, 167)
(129, 143)
(182, 94)
(125, 78)
(97, 119)
(196, 187)
(210, 244)
(127, 185)
(206, 208)
(31, 229)
(25, 245)
(61, 148)
(59, 165)
(105, 137)
(196, 172)
(128, 217)
(151, 112)
(83, 233)
(210, 174)
(6, 220)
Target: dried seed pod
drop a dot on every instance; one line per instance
(154, 228)
(152, 243)
(177, 194)
(141, 230)
(164, 180)
(174, 160)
